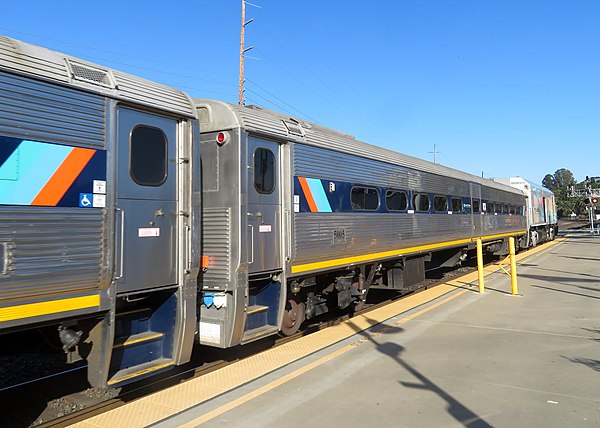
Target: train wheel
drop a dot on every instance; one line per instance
(292, 317)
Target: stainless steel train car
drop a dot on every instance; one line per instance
(136, 221)
(299, 219)
(99, 212)
(542, 220)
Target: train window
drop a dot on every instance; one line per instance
(504, 209)
(498, 208)
(148, 156)
(420, 202)
(489, 208)
(457, 205)
(396, 200)
(475, 205)
(365, 198)
(264, 170)
(512, 209)
(440, 203)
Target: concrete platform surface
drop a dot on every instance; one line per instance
(463, 359)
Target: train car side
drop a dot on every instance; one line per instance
(336, 218)
(97, 212)
(542, 220)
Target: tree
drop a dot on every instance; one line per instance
(558, 183)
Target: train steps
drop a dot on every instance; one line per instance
(143, 343)
(258, 323)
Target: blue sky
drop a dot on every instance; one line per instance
(499, 87)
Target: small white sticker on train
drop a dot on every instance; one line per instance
(148, 232)
(264, 228)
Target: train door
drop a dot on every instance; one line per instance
(264, 206)
(146, 222)
(476, 209)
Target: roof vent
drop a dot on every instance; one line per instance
(293, 128)
(90, 74)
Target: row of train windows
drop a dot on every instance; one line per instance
(367, 199)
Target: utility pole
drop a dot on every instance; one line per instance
(243, 50)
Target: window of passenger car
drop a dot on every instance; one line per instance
(512, 209)
(440, 203)
(504, 209)
(457, 205)
(475, 205)
(148, 156)
(264, 171)
(421, 202)
(498, 208)
(396, 200)
(364, 198)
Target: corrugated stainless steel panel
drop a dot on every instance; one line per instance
(310, 161)
(371, 233)
(30, 59)
(133, 88)
(52, 250)
(50, 113)
(216, 240)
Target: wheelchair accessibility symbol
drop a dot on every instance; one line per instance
(85, 200)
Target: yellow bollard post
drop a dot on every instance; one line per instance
(480, 265)
(513, 266)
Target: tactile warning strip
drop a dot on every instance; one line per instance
(166, 403)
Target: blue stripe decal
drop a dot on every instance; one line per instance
(318, 194)
(28, 169)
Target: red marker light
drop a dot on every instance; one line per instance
(222, 138)
(594, 200)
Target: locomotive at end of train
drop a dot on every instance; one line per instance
(137, 222)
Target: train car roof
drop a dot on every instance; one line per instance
(219, 115)
(31, 60)
(518, 181)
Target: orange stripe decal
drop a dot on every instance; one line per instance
(309, 198)
(63, 177)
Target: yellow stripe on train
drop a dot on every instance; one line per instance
(30, 310)
(394, 253)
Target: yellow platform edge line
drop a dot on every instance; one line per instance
(395, 253)
(31, 310)
(197, 391)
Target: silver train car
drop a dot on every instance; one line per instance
(136, 222)
(99, 213)
(542, 220)
(299, 219)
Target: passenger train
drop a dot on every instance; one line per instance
(136, 221)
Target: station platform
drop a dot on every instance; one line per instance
(448, 356)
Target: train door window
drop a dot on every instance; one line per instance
(457, 205)
(264, 171)
(475, 205)
(420, 202)
(364, 198)
(148, 156)
(440, 203)
(396, 200)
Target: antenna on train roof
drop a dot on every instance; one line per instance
(434, 153)
(243, 50)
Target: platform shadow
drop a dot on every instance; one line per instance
(592, 364)
(455, 408)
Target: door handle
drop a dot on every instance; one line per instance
(251, 244)
(119, 245)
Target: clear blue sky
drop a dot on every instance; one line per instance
(504, 87)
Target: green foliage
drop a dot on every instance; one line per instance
(558, 183)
